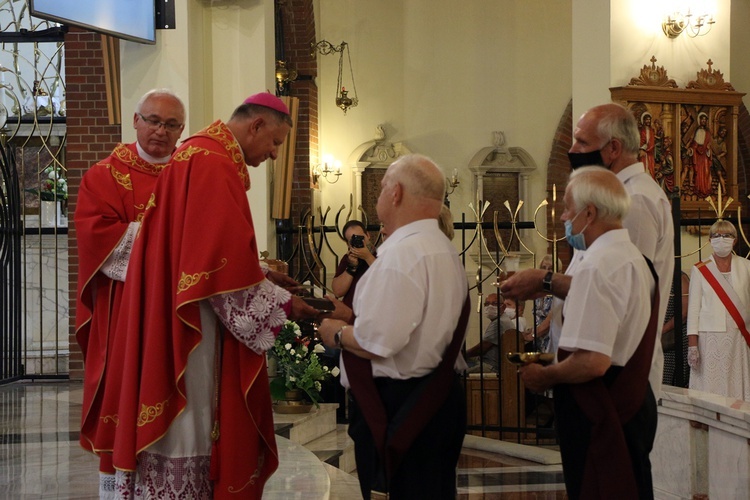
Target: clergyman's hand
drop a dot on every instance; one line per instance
(302, 310)
(282, 280)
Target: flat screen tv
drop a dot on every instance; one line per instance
(129, 19)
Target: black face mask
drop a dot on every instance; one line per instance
(578, 160)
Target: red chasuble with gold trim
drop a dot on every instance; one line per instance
(113, 193)
(195, 242)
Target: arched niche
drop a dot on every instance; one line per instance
(501, 174)
(370, 161)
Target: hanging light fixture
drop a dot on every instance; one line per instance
(343, 100)
(284, 75)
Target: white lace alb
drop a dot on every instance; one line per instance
(116, 266)
(159, 477)
(252, 314)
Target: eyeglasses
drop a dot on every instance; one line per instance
(490, 303)
(724, 236)
(155, 124)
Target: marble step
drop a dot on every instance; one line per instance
(343, 486)
(305, 427)
(338, 446)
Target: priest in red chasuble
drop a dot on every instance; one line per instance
(193, 416)
(112, 198)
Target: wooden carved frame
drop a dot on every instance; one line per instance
(690, 144)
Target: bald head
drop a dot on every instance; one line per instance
(413, 188)
(419, 176)
(612, 130)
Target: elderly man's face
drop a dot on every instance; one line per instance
(384, 206)
(263, 140)
(571, 213)
(159, 125)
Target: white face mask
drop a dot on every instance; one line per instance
(722, 246)
(511, 313)
(490, 312)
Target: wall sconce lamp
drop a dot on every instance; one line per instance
(331, 167)
(692, 24)
(343, 100)
(451, 183)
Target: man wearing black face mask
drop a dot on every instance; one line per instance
(607, 135)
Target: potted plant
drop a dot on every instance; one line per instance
(53, 187)
(298, 366)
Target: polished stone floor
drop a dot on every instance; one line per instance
(40, 456)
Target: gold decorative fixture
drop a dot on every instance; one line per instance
(691, 23)
(284, 75)
(343, 100)
(330, 166)
(451, 183)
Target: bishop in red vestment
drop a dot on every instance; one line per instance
(193, 416)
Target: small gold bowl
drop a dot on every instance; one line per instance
(525, 358)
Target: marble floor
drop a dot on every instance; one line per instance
(40, 456)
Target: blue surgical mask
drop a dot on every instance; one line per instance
(577, 241)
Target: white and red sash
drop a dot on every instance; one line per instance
(728, 296)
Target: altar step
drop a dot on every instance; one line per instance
(318, 432)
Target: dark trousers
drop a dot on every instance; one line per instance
(574, 434)
(428, 469)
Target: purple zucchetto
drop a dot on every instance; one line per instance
(268, 100)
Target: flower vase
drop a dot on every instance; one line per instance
(48, 211)
(62, 214)
(294, 402)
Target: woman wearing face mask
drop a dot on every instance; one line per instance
(719, 318)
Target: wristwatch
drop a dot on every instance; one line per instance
(547, 282)
(337, 338)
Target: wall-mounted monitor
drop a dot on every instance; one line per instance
(129, 19)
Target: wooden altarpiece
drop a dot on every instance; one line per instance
(688, 137)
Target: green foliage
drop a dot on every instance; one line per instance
(298, 365)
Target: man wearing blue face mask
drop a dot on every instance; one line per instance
(608, 135)
(605, 410)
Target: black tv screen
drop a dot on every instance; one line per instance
(129, 19)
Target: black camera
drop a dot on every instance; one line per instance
(358, 241)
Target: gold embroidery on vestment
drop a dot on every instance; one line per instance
(188, 280)
(149, 413)
(120, 178)
(189, 151)
(254, 477)
(125, 155)
(115, 419)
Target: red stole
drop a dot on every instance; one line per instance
(197, 241)
(113, 193)
(727, 295)
(609, 472)
(392, 448)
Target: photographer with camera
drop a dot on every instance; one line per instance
(353, 265)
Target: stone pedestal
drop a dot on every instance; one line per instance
(701, 446)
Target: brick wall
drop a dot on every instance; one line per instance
(558, 169)
(89, 138)
(299, 34)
